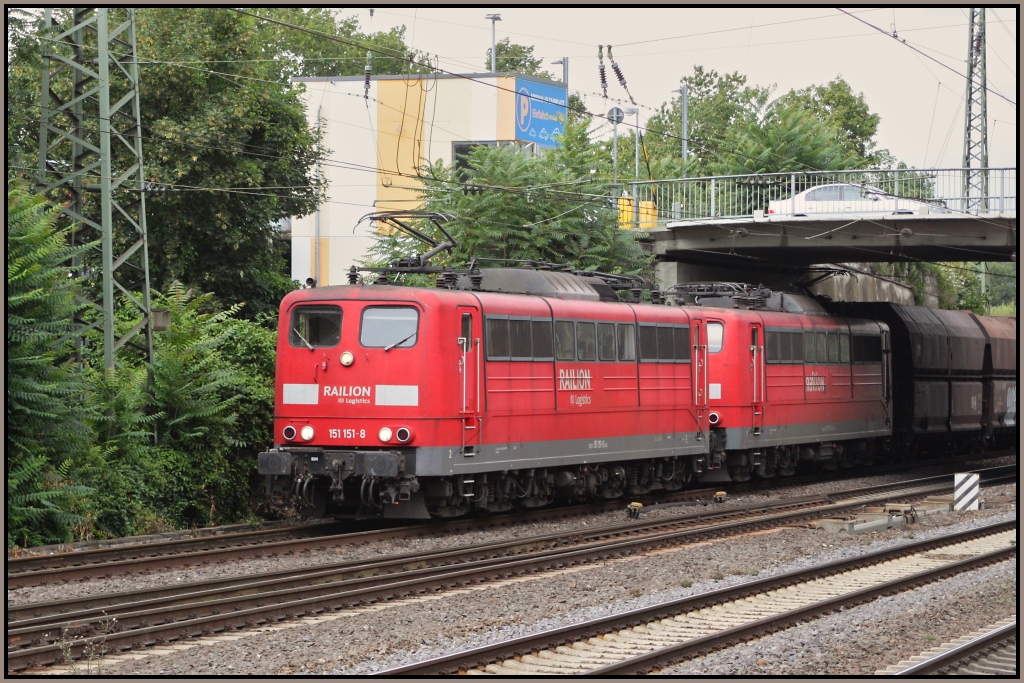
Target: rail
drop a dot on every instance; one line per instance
(652, 204)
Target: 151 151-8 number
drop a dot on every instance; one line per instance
(346, 433)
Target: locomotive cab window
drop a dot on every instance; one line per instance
(716, 337)
(389, 327)
(315, 326)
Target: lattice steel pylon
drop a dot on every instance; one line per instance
(90, 163)
(976, 118)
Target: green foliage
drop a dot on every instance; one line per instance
(716, 103)
(337, 48)
(551, 208)
(47, 422)
(844, 112)
(194, 389)
(1002, 284)
(514, 58)
(124, 466)
(231, 124)
(40, 499)
(784, 138)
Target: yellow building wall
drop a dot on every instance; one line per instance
(505, 128)
(400, 131)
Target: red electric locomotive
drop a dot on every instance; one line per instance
(409, 402)
(507, 388)
(788, 383)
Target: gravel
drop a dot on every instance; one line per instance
(371, 639)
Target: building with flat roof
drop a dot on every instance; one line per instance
(378, 138)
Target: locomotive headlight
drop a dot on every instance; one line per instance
(384, 434)
(288, 432)
(306, 433)
(347, 358)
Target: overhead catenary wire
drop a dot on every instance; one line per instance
(267, 81)
(412, 61)
(903, 42)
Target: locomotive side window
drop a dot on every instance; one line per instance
(627, 342)
(682, 339)
(541, 339)
(833, 347)
(648, 343)
(497, 339)
(784, 346)
(819, 345)
(716, 337)
(773, 347)
(389, 327)
(315, 326)
(521, 339)
(586, 341)
(666, 346)
(565, 340)
(606, 341)
(808, 347)
(844, 348)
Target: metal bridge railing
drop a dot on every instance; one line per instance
(646, 205)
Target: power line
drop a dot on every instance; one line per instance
(903, 42)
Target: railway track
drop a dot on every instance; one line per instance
(39, 633)
(646, 640)
(35, 570)
(990, 652)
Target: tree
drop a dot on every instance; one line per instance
(514, 58)
(334, 45)
(716, 103)
(848, 114)
(230, 138)
(553, 208)
(1002, 284)
(46, 411)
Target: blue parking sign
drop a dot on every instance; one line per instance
(540, 110)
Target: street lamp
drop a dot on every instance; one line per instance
(684, 105)
(494, 54)
(564, 61)
(636, 139)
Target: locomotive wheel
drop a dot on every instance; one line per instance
(317, 508)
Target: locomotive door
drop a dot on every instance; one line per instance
(470, 376)
(758, 376)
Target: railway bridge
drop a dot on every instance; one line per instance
(773, 228)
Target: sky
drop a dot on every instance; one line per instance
(909, 81)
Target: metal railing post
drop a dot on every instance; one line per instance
(636, 207)
(793, 194)
(712, 198)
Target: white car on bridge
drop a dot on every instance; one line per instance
(844, 198)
